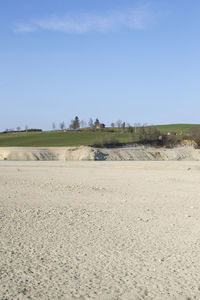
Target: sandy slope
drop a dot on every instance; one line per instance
(100, 230)
(127, 153)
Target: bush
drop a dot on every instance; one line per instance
(195, 135)
(107, 142)
(28, 130)
(149, 134)
(168, 141)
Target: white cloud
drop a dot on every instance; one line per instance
(132, 19)
(24, 28)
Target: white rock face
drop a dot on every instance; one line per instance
(134, 153)
(47, 154)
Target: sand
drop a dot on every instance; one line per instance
(99, 230)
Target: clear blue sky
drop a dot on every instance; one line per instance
(138, 61)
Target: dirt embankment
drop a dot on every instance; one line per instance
(131, 153)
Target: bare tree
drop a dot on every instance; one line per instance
(91, 123)
(26, 127)
(62, 125)
(123, 126)
(136, 125)
(195, 134)
(53, 126)
(119, 123)
(83, 124)
(112, 125)
(18, 128)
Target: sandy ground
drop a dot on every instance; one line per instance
(100, 230)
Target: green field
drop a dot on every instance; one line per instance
(55, 139)
(179, 128)
(75, 138)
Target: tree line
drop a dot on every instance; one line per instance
(76, 123)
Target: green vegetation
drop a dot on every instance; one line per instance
(179, 128)
(55, 138)
(89, 136)
(107, 141)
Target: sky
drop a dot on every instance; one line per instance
(133, 60)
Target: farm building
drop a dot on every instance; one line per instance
(101, 125)
(172, 133)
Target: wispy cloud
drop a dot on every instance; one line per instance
(132, 19)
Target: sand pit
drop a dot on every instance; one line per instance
(83, 153)
(99, 230)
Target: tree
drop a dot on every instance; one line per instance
(96, 123)
(130, 129)
(75, 124)
(62, 125)
(119, 123)
(82, 124)
(71, 126)
(53, 126)
(136, 125)
(112, 125)
(148, 134)
(195, 134)
(123, 126)
(18, 128)
(90, 123)
(26, 127)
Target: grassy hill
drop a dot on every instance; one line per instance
(179, 128)
(76, 138)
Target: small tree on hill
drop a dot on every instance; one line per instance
(62, 125)
(96, 123)
(123, 126)
(53, 126)
(119, 123)
(82, 124)
(195, 134)
(90, 123)
(75, 124)
(130, 129)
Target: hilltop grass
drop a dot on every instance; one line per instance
(179, 128)
(77, 138)
(55, 138)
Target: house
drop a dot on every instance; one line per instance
(172, 133)
(100, 125)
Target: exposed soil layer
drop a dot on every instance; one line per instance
(135, 153)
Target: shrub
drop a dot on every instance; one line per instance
(168, 141)
(149, 134)
(107, 141)
(195, 135)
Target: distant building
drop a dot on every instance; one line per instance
(172, 133)
(101, 125)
